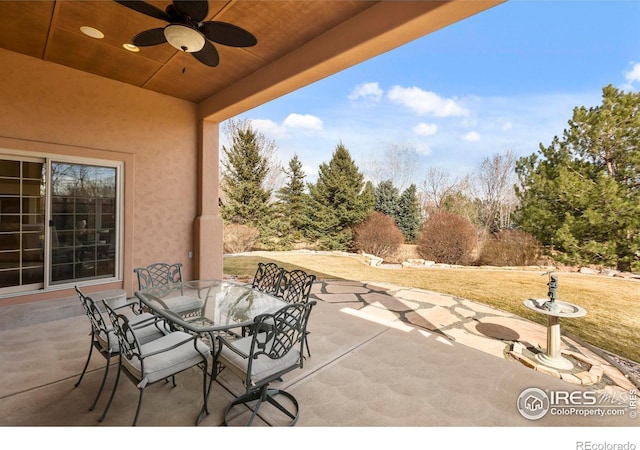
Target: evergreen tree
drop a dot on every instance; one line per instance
(387, 199)
(245, 169)
(409, 217)
(338, 200)
(580, 194)
(292, 202)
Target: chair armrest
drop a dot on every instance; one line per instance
(222, 341)
(151, 321)
(193, 338)
(132, 303)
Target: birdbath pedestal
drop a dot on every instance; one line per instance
(553, 356)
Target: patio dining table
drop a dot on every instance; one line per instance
(209, 306)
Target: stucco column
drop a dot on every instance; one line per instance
(207, 227)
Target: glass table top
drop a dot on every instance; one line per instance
(209, 305)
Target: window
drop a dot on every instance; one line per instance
(21, 223)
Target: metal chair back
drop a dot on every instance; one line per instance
(295, 286)
(162, 277)
(98, 324)
(129, 345)
(267, 277)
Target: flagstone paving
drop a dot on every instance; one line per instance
(492, 331)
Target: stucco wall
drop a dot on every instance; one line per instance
(60, 110)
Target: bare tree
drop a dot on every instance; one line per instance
(398, 164)
(493, 187)
(438, 187)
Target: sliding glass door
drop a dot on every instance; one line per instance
(83, 222)
(78, 203)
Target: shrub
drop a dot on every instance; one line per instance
(510, 248)
(447, 238)
(239, 238)
(378, 235)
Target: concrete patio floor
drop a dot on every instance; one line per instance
(382, 356)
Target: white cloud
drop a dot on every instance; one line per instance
(304, 121)
(507, 126)
(471, 136)
(426, 102)
(633, 75)
(269, 127)
(425, 129)
(368, 91)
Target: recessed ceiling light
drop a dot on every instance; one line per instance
(92, 32)
(131, 48)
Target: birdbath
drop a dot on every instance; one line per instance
(554, 309)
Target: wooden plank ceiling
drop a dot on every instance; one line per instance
(51, 31)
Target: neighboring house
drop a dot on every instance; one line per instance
(109, 159)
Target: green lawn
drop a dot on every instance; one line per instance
(612, 304)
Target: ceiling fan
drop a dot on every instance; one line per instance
(187, 31)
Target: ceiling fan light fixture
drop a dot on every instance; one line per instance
(184, 38)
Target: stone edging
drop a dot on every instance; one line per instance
(585, 378)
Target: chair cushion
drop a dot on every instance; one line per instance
(169, 362)
(108, 341)
(262, 367)
(183, 303)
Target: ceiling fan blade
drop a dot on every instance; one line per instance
(227, 34)
(150, 37)
(196, 10)
(146, 9)
(208, 55)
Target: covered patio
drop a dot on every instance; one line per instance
(151, 118)
(155, 116)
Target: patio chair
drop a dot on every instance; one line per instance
(267, 277)
(159, 275)
(273, 349)
(104, 340)
(295, 287)
(165, 281)
(160, 359)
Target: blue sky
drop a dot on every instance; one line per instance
(505, 79)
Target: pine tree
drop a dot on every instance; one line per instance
(580, 194)
(245, 170)
(292, 202)
(338, 200)
(387, 199)
(409, 217)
